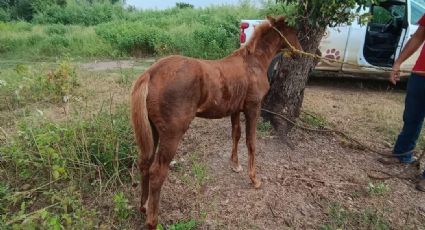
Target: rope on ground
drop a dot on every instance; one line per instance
(360, 144)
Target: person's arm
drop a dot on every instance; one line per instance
(412, 45)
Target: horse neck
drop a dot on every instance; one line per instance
(266, 49)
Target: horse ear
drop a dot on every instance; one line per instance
(280, 19)
(271, 19)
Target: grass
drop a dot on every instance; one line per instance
(209, 33)
(378, 189)
(47, 42)
(184, 225)
(314, 119)
(47, 166)
(264, 128)
(341, 218)
(198, 175)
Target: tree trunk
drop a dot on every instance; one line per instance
(286, 92)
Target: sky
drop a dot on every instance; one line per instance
(163, 4)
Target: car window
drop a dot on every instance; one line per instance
(380, 15)
(417, 9)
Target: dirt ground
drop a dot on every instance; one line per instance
(301, 186)
(320, 183)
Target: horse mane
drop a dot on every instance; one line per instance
(259, 33)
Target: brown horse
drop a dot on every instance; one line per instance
(176, 89)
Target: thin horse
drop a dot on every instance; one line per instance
(176, 89)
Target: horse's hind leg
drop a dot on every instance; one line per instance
(158, 171)
(251, 126)
(144, 163)
(236, 135)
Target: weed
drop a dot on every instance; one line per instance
(126, 77)
(341, 218)
(264, 128)
(122, 208)
(378, 189)
(185, 225)
(199, 170)
(102, 143)
(24, 85)
(313, 119)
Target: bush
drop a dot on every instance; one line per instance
(56, 29)
(4, 15)
(38, 42)
(130, 37)
(81, 13)
(211, 33)
(24, 85)
(79, 149)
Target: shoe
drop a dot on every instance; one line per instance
(396, 160)
(421, 184)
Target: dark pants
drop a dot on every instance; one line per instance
(413, 117)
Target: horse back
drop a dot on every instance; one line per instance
(206, 88)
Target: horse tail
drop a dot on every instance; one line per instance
(140, 119)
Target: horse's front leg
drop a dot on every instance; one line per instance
(251, 115)
(236, 135)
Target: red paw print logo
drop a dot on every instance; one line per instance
(333, 54)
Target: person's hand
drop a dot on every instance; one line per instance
(395, 74)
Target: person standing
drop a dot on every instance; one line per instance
(414, 111)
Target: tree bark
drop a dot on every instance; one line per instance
(286, 92)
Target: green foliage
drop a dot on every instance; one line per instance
(34, 42)
(78, 148)
(63, 210)
(204, 33)
(58, 29)
(199, 170)
(264, 128)
(340, 218)
(322, 13)
(4, 15)
(122, 208)
(23, 85)
(130, 37)
(378, 189)
(209, 33)
(80, 13)
(189, 225)
(183, 5)
(313, 119)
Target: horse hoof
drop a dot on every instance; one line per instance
(237, 168)
(257, 184)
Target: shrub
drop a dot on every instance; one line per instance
(79, 148)
(56, 29)
(4, 15)
(81, 13)
(130, 37)
(24, 85)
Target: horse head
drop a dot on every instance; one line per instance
(288, 33)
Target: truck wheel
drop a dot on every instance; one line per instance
(273, 67)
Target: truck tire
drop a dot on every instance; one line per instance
(274, 67)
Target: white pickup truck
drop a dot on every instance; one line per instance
(376, 44)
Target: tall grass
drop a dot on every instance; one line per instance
(58, 162)
(204, 33)
(48, 167)
(24, 41)
(80, 13)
